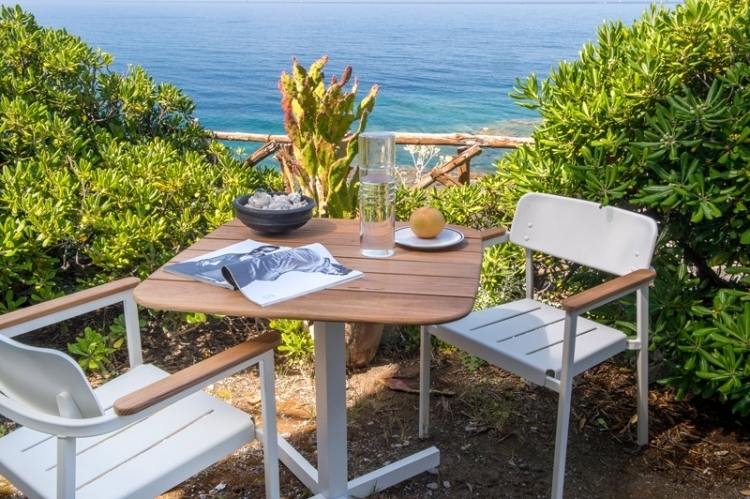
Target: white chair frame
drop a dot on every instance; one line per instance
(637, 282)
(67, 430)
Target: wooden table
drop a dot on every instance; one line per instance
(410, 287)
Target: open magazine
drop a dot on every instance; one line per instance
(267, 274)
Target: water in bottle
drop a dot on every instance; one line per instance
(377, 193)
(377, 196)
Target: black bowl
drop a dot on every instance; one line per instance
(273, 221)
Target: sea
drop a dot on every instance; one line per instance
(441, 66)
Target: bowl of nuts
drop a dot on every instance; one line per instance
(274, 212)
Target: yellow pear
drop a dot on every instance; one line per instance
(426, 222)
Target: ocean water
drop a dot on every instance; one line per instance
(441, 67)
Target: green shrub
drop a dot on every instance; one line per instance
(93, 350)
(103, 174)
(655, 117)
(296, 342)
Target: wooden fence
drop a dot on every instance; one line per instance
(467, 147)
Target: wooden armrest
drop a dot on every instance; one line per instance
(27, 314)
(608, 290)
(492, 233)
(194, 375)
(493, 236)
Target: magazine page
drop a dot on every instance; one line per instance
(282, 275)
(207, 268)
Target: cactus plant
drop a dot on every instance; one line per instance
(318, 120)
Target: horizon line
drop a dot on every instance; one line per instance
(407, 2)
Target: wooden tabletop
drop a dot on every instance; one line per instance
(411, 287)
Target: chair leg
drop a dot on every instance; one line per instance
(563, 407)
(66, 468)
(642, 375)
(642, 365)
(425, 357)
(561, 437)
(268, 409)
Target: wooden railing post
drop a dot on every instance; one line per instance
(440, 173)
(464, 171)
(261, 153)
(402, 138)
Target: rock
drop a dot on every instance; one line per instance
(259, 200)
(264, 201)
(446, 484)
(280, 202)
(432, 486)
(218, 488)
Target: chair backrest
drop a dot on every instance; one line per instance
(45, 380)
(602, 237)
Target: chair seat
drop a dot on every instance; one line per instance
(141, 460)
(525, 337)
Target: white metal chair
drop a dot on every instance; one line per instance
(136, 436)
(537, 341)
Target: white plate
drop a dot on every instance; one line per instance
(447, 238)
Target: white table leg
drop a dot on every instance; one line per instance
(329, 481)
(394, 473)
(330, 403)
(298, 465)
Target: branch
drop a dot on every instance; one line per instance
(703, 270)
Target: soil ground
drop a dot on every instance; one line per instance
(495, 432)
